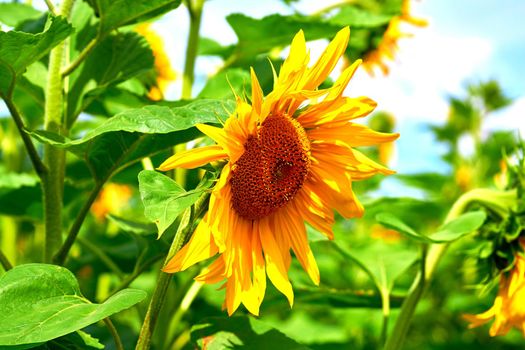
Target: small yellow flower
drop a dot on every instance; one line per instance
(388, 46)
(290, 159)
(463, 177)
(165, 73)
(509, 306)
(111, 200)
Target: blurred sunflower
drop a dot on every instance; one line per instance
(388, 45)
(508, 310)
(287, 162)
(165, 73)
(111, 200)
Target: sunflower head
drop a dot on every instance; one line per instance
(290, 160)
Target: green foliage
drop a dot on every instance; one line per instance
(164, 199)
(18, 50)
(44, 302)
(14, 13)
(455, 229)
(229, 333)
(137, 133)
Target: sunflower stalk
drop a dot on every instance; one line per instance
(54, 158)
(159, 294)
(497, 201)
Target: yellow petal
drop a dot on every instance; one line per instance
(295, 229)
(253, 297)
(214, 273)
(333, 113)
(275, 268)
(354, 135)
(326, 63)
(200, 247)
(193, 158)
(315, 212)
(257, 93)
(228, 141)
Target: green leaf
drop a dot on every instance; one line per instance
(20, 194)
(221, 85)
(44, 302)
(460, 226)
(247, 332)
(117, 13)
(138, 133)
(449, 232)
(430, 182)
(141, 228)
(337, 298)
(18, 49)
(164, 199)
(359, 18)
(117, 58)
(14, 13)
(257, 36)
(391, 221)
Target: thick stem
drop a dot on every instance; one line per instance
(497, 201)
(195, 12)
(157, 300)
(81, 57)
(54, 158)
(61, 255)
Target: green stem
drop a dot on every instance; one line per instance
(54, 158)
(195, 12)
(81, 57)
(497, 201)
(159, 294)
(51, 7)
(61, 255)
(102, 256)
(5, 262)
(39, 166)
(114, 334)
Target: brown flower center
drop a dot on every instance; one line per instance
(272, 168)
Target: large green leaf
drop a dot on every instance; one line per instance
(19, 49)
(117, 58)
(43, 302)
(117, 13)
(257, 36)
(14, 13)
(138, 133)
(240, 332)
(164, 199)
(449, 232)
(359, 18)
(225, 83)
(337, 298)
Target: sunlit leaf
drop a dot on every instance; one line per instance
(459, 227)
(141, 228)
(117, 13)
(343, 298)
(164, 199)
(359, 18)
(44, 302)
(225, 83)
(391, 221)
(19, 49)
(247, 332)
(138, 133)
(14, 13)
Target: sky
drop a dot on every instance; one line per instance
(465, 41)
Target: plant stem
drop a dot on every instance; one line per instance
(39, 166)
(61, 255)
(195, 12)
(102, 256)
(114, 333)
(51, 7)
(157, 300)
(5, 262)
(54, 158)
(497, 201)
(81, 57)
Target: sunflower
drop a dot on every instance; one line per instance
(508, 310)
(289, 160)
(111, 200)
(388, 46)
(165, 73)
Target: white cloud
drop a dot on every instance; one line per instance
(427, 68)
